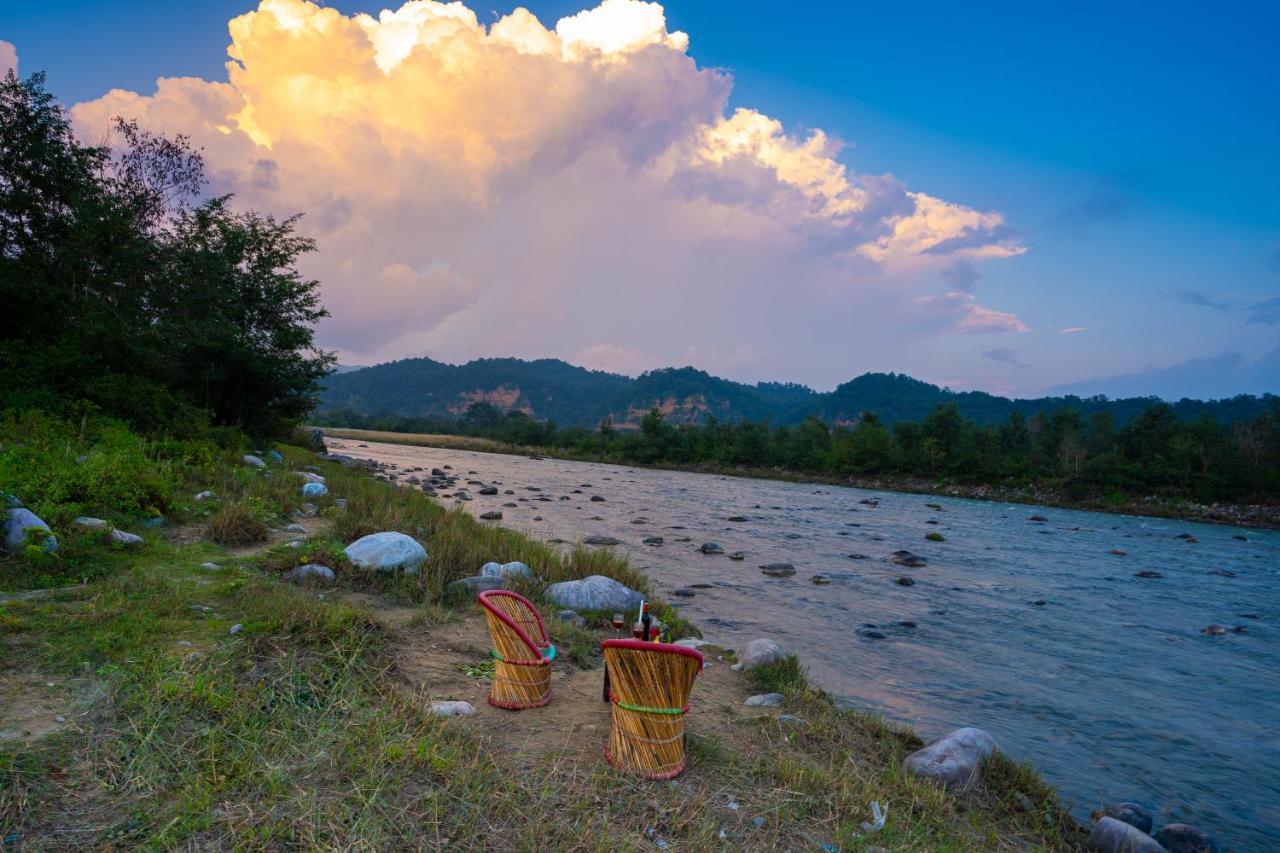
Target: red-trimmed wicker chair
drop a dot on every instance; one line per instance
(649, 689)
(522, 651)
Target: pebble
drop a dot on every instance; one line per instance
(905, 581)
(764, 700)
(236, 628)
(452, 709)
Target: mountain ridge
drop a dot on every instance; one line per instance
(555, 390)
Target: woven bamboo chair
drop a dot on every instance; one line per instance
(649, 689)
(522, 651)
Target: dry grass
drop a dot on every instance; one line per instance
(235, 525)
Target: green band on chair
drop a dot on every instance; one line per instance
(627, 706)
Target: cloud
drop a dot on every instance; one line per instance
(962, 275)
(8, 58)
(532, 190)
(961, 313)
(1005, 355)
(1073, 330)
(1103, 206)
(1267, 311)
(1194, 297)
(615, 359)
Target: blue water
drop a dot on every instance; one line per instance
(1109, 687)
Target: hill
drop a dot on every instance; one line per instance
(554, 390)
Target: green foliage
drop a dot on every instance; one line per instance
(121, 287)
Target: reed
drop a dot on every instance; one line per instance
(522, 669)
(650, 685)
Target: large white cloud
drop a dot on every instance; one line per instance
(8, 58)
(580, 190)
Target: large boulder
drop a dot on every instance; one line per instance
(1110, 835)
(503, 570)
(759, 653)
(1132, 814)
(954, 760)
(387, 552)
(22, 526)
(594, 593)
(1184, 838)
(314, 490)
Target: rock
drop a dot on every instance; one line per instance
(1148, 573)
(210, 566)
(758, 653)
(94, 523)
(275, 456)
(206, 496)
(1223, 573)
(1119, 552)
(452, 709)
(491, 515)
(488, 490)
(505, 570)
(597, 499)
(905, 581)
(764, 700)
(935, 537)
(253, 461)
(1240, 629)
(872, 635)
(314, 490)
(737, 518)
(1115, 836)
(8, 501)
(820, 580)
(310, 573)
(386, 552)
(1184, 838)
(461, 496)
(692, 643)
(954, 760)
(684, 593)
(572, 616)
(120, 537)
(1130, 813)
(236, 628)
(596, 592)
(1037, 518)
(870, 501)
(778, 570)
(475, 585)
(309, 477)
(935, 506)
(600, 539)
(21, 525)
(737, 556)
(1213, 630)
(295, 528)
(858, 557)
(711, 548)
(653, 540)
(906, 558)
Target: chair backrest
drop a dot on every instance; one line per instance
(515, 624)
(651, 675)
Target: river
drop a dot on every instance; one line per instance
(1036, 631)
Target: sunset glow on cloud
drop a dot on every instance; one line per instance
(581, 190)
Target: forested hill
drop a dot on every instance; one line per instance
(549, 389)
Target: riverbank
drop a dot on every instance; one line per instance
(1260, 516)
(178, 691)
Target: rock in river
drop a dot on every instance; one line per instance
(491, 515)
(779, 570)
(1115, 836)
(1149, 574)
(905, 581)
(1183, 838)
(599, 539)
(712, 548)
(1131, 813)
(387, 552)
(906, 558)
(954, 760)
(596, 592)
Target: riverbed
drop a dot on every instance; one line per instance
(1030, 622)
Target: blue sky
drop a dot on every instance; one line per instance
(1130, 147)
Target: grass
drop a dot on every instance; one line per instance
(295, 732)
(236, 524)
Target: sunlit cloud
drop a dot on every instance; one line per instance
(1073, 330)
(580, 190)
(8, 58)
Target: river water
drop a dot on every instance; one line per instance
(1032, 630)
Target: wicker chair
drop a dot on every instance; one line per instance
(649, 688)
(522, 651)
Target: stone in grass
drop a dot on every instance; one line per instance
(21, 525)
(94, 523)
(475, 585)
(387, 552)
(572, 616)
(596, 592)
(206, 496)
(503, 570)
(491, 515)
(120, 537)
(1110, 835)
(210, 566)
(253, 461)
(313, 573)
(953, 760)
(314, 490)
(1184, 838)
(764, 700)
(236, 628)
(452, 709)
(275, 456)
(309, 477)
(759, 653)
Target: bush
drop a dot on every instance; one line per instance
(236, 524)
